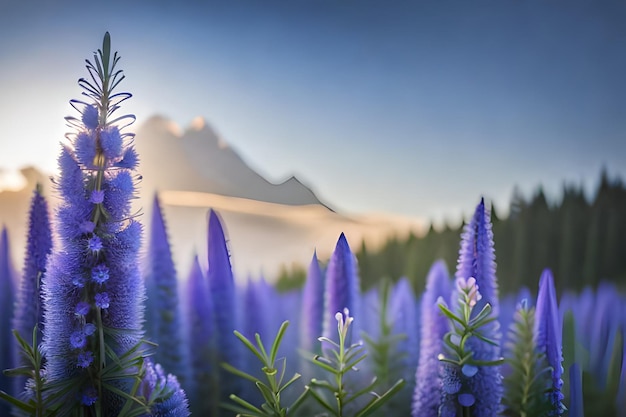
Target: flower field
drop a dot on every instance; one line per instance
(88, 330)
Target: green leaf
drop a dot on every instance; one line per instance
(250, 346)
(380, 401)
(277, 340)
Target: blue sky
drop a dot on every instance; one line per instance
(416, 108)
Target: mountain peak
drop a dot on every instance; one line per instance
(200, 160)
(198, 123)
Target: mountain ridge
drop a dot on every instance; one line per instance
(203, 161)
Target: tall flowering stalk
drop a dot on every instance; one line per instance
(461, 366)
(477, 260)
(93, 292)
(223, 297)
(312, 307)
(28, 307)
(201, 329)
(342, 288)
(434, 326)
(164, 322)
(7, 284)
(548, 333)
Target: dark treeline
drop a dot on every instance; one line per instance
(582, 241)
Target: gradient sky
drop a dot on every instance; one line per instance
(416, 108)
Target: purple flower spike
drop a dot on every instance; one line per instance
(477, 257)
(477, 260)
(342, 289)
(548, 331)
(576, 391)
(222, 291)
(92, 291)
(7, 286)
(199, 319)
(28, 308)
(164, 322)
(171, 400)
(434, 325)
(312, 307)
(403, 315)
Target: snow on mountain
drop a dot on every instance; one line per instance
(199, 160)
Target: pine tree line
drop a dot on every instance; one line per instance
(582, 241)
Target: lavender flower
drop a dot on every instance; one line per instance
(576, 391)
(93, 292)
(28, 311)
(201, 329)
(342, 288)
(312, 307)
(461, 370)
(258, 302)
(166, 397)
(6, 310)
(403, 315)
(222, 292)
(163, 315)
(548, 331)
(477, 259)
(434, 326)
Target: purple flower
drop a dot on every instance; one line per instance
(199, 319)
(477, 260)
(312, 307)
(97, 196)
(168, 398)
(90, 117)
(85, 148)
(94, 274)
(576, 390)
(100, 274)
(129, 160)
(548, 330)
(434, 325)
(78, 339)
(7, 286)
(102, 300)
(85, 359)
(164, 323)
(82, 308)
(94, 244)
(222, 292)
(111, 142)
(403, 315)
(28, 310)
(342, 289)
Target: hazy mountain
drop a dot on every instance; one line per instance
(197, 159)
(194, 171)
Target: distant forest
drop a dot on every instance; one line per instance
(583, 242)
